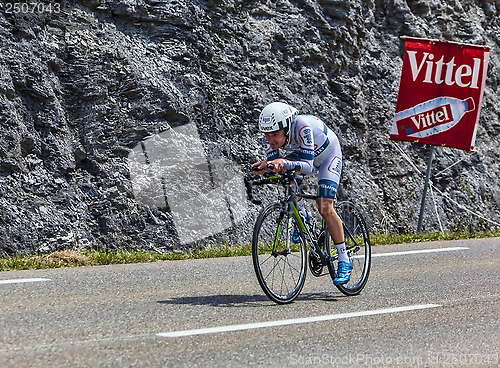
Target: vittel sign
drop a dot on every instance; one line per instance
(440, 93)
(439, 72)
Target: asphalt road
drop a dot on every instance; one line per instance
(116, 316)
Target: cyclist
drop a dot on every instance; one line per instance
(312, 147)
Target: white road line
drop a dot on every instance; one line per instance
(250, 326)
(18, 281)
(418, 252)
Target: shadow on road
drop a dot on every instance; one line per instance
(244, 300)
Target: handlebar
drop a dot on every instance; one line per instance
(270, 177)
(250, 181)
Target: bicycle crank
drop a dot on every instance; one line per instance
(315, 264)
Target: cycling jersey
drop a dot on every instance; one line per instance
(313, 147)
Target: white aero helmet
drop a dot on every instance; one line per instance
(276, 116)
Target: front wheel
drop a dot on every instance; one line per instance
(358, 247)
(279, 263)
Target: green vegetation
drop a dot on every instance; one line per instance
(87, 257)
(386, 239)
(92, 257)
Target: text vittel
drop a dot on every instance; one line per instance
(440, 72)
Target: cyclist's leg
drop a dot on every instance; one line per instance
(329, 178)
(334, 225)
(332, 219)
(328, 182)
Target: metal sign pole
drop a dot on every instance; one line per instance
(426, 186)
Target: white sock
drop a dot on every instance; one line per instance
(342, 252)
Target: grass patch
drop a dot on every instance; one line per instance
(87, 257)
(386, 239)
(63, 258)
(120, 256)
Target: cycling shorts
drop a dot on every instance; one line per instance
(330, 169)
(329, 177)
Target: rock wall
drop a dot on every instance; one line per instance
(84, 82)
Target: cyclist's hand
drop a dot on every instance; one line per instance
(278, 165)
(259, 167)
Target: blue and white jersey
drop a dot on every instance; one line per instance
(313, 147)
(310, 143)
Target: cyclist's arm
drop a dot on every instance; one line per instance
(302, 157)
(303, 161)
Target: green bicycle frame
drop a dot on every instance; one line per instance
(284, 222)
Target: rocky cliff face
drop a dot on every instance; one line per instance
(84, 84)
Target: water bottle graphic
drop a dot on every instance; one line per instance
(431, 117)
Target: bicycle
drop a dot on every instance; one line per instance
(280, 264)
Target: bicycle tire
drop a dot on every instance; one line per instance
(281, 273)
(356, 235)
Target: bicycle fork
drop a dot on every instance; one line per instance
(286, 222)
(289, 228)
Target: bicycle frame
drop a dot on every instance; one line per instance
(292, 209)
(290, 194)
(282, 279)
(290, 200)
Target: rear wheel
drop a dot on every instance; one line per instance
(280, 264)
(357, 241)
